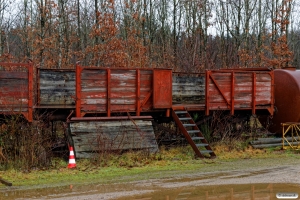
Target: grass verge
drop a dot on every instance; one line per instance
(133, 166)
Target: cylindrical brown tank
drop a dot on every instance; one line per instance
(287, 98)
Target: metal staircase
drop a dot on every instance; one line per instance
(192, 134)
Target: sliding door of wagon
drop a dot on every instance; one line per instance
(16, 89)
(239, 90)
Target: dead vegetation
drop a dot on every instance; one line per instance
(25, 145)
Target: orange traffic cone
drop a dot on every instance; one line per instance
(72, 163)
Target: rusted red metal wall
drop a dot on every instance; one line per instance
(240, 90)
(162, 89)
(111, 90)
(16, 89)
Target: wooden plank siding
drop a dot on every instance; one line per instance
(188, 89)
(56, 88)
(103, 90)
(92, 137)
(239, 90)
(16, 89)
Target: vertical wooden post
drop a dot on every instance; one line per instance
(254, 93)
(30, 92)
(78, 89)
(138, 92)
(232, 93)
(207, 75)
(272, 92)
(108, 91)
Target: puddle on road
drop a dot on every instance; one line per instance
(153, 192)
(61, 191)
(221, 192)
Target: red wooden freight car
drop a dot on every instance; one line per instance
(109, 101)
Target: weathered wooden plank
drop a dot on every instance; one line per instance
(90, 83)
(123, 94)
(56, 87)
(187, 80)
(85, 90)
(11, 83)
(13, 109)
(192, 88)
(122, 101)
(123, 88)
(123, 107)
(94, 136)
(13, 75)
(188, 89)
(93, 107)
(93, 101)
(93, 74)
(123, 76)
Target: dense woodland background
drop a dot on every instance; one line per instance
(186, 35)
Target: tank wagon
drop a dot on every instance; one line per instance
(113, 109)
(287, 96)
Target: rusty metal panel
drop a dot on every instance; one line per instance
(16, 89)
(56, 88)
(239, 90)
(188, 89)
(92, 137)
(162, 88)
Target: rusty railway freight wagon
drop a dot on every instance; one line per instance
(113, 109)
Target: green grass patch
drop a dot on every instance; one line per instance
(133, 166)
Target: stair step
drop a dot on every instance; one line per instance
(188, 125)
(181, 112)
(202, 145)
(197, 138)
(185, 118)
(193, 131)
(206, 151)
(194, 136)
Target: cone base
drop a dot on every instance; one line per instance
(70, 166)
